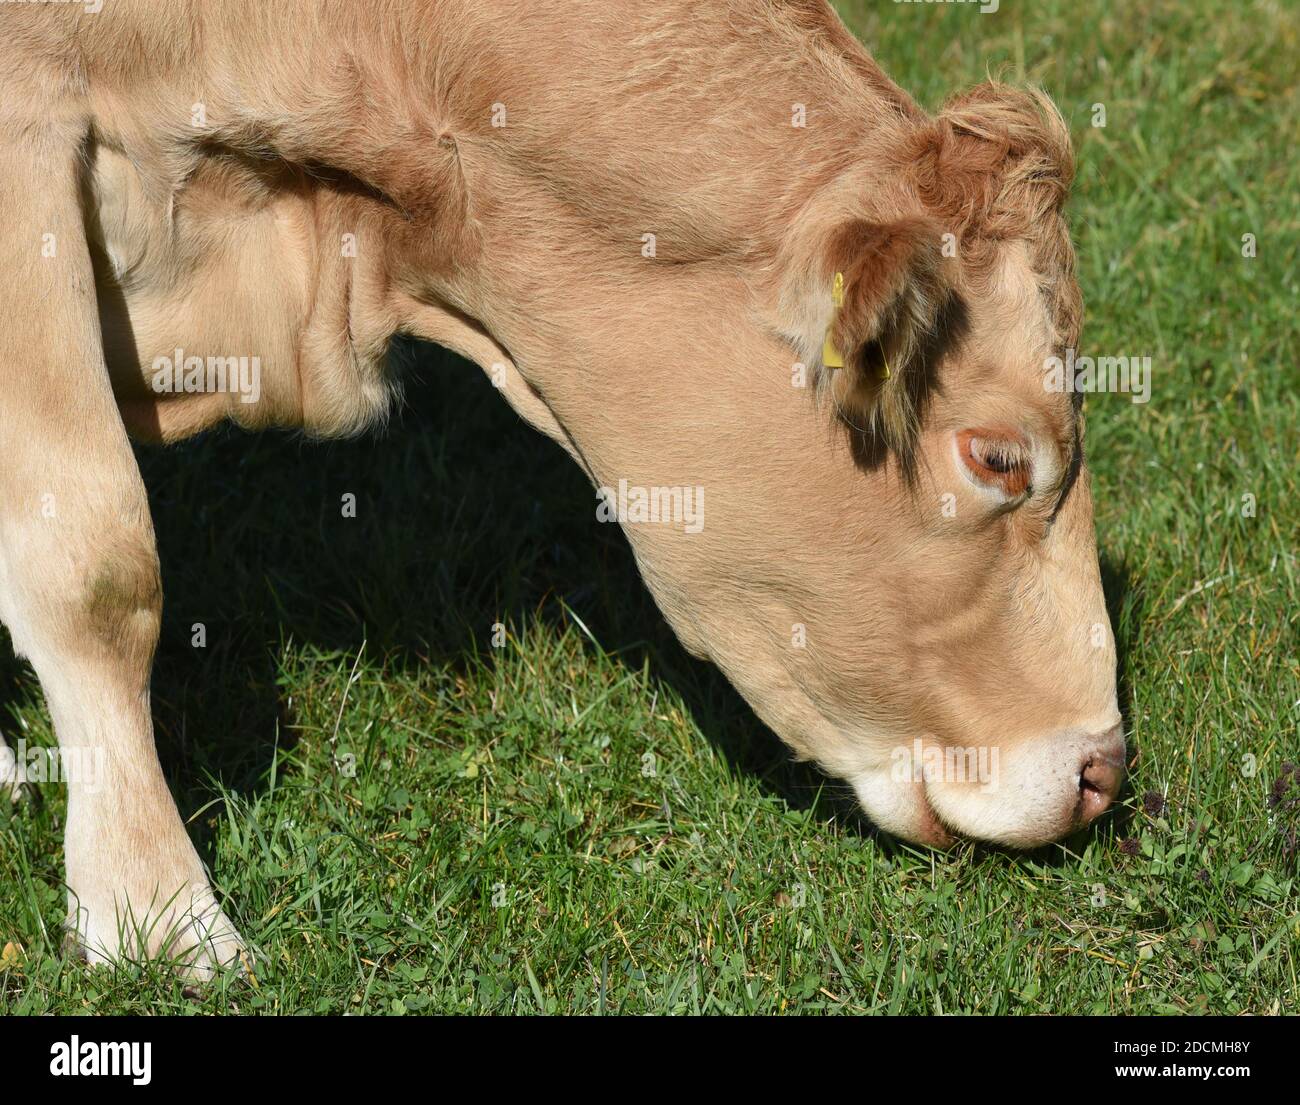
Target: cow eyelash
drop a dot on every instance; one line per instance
(997, 456)
(1000, 461)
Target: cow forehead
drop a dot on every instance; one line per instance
(1008, 305)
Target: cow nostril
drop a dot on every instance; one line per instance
(1099, 780)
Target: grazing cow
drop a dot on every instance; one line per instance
(704, 247)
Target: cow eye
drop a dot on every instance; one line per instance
(996, 459)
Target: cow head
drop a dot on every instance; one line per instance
(895, 561)
(987, 663)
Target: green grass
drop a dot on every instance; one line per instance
(407, 819)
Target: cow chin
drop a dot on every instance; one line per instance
(1025, 795)
(902, 808)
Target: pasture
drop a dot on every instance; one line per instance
(408, 818)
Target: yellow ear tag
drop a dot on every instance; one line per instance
(831, 357)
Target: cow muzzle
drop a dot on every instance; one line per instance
(1029, 794)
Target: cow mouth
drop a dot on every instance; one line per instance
(903, 809)
(937, 834)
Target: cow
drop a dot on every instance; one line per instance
(709, 247)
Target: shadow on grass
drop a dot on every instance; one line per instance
(1123, 605)
(464, 516)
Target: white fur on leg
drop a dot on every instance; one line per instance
(136, 886)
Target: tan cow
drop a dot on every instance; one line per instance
(705, 247)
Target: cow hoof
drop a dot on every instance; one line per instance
(192, 934)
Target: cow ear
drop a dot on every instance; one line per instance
(889, 287)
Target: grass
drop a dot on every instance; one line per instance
(407, 819)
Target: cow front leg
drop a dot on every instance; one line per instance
(79, 583)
